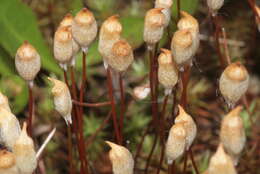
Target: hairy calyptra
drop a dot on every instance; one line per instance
(221, 163)
(233, 83)
(27, 62)
(62, 47)
(110, 33)
(176, 142)
(154, 23)
(9, 128)
(232, 133)
(84, 28)
(121, 56)
(181, 47)
(189, 125)
(24, 152)
(166, 5)
(215, 5)
(62, 99)
(121, 159)
(167, 71)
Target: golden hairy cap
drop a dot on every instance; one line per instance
(84, 17)
(67, 20)
(182, 38)
(187, 21)
(117, 151)
(58, 88)
(155, 17)
(63, 34)
(165, 57)
(7, 159)
(26, 52)
(121, 48)
(236, 71)
(112, 25)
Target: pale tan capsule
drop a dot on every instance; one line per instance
(62, 99)
(166, 5)
(154, 23)
(62, 47)
(189, 125)
(181, 47)
(121, 56)
(24, 153)
(221, 163)
(110, 32)
(215, 5)
(4, 103)
(84, 28)
(27, 61)
(121, 159)
(67, 21)
(233, 83)
(232, 133)
(167, 71)
(7, 163)
(9, 128)
(187, 21)
(176, 142)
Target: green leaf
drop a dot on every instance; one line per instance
(76, 6)
(189, 6)
(133, 27)
(7, 64)
(19, 23)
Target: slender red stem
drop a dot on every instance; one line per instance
(185, 80)
(81, 149)
(113, 106)
(162, 128)
(69, 138)
(31, 108)
(84, 79)
(122, 106)
(92, 104)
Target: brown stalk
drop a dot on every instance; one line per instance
(31, 108)
(122, 107)
(162, 135)
(113, 106)
(82, 88)
(69, 138)
(92, 104)
(179, 9)
(81, 149)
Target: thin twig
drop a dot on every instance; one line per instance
(39, 152)
(31, 108)
(92, 104)
(113, 106)
(122, 106)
